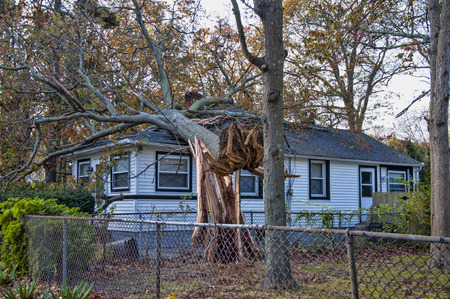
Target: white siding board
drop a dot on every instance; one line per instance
(344, 190)
(252, 204)
(147, 179)
(384, 180)
(344, 186)
(163, 205)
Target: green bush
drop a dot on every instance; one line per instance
(414, 214)
(12, 228)
(68, 196)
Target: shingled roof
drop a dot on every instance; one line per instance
(157, 135)
(309, 141)
(328, 143)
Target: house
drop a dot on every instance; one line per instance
(337, 169)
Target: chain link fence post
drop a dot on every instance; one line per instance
(158, 261)
(352, 265)
(64, 259)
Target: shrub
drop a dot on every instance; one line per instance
(68, 196)
(414, 217)
(12, 228)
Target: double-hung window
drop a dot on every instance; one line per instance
(173, 172)
(396, 181)
(249, 184)
(318, 179)
(84, 167)
(120, 174)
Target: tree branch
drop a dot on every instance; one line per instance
(257, 61)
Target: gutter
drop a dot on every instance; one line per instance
(369, 162)
(127, 142)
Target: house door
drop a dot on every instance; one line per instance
(367, 186)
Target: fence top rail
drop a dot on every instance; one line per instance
(405, 237)
(262, 212)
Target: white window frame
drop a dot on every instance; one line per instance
(114, 173)
(323, 178)
(246, 173)
(403, 172)
(162, 156)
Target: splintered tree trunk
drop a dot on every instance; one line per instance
(200, 233)
(223, 245)
(438, 126)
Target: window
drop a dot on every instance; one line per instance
(249, 184)
(396, 181)
(120, 174)
(84, 169)
(173, 172)
(318, 179)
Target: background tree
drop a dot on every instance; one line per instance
(341, 61)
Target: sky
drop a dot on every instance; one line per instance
(400, 92)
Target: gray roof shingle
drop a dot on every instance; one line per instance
(328, 143)
(312, 141)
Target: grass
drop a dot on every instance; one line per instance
(325, 276)
(383, 271)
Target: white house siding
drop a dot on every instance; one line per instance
(299, 186)
(344, 190)
(147, 178)
(143, 198)
(344, 187)
(164, 205)
(384, 180)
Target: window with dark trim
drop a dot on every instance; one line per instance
(120, 174)
(83, 169)
(396, 180)
(173, 172)
(319, 179)
(250, 184)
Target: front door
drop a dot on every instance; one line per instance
(367, 186)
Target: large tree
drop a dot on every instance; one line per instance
(439, 12)
(100, 71)
(271, 65)
(341, 59)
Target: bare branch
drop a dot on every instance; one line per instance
(425, 93)
(257, 61)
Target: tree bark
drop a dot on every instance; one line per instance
(177, 123)
(278, 270)
(438, 127)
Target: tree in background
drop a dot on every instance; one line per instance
(341, 58)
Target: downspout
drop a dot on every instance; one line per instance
(289, 191)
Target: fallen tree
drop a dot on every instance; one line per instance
(215, 193)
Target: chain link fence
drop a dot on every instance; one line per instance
(155, 259)
(339, 219)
